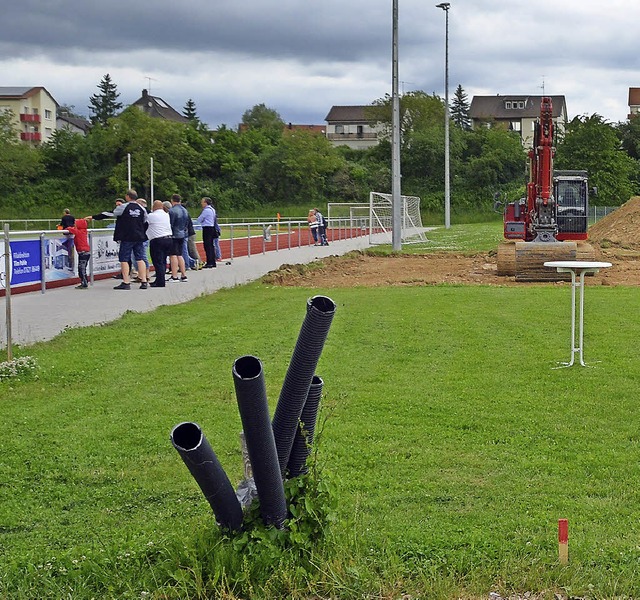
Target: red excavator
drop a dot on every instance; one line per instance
(551, 222)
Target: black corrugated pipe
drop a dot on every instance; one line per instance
(202, 462)
(315, 327)
(248, 378)
(301, 448)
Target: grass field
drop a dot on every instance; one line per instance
(453, 445)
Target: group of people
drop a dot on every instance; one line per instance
(318, 227)
(166, 231)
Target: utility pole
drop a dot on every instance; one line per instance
(447, 176)
(396, 188)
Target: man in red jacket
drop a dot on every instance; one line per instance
(79, 230)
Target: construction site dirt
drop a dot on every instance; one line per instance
(616, 239)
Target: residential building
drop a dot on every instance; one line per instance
(349, 126)
(515, 113)
(73, 124)
(34, 112)
(634, 102)
(157, 108)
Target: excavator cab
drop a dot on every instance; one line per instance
(571, 193)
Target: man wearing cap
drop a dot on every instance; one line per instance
(131, 226)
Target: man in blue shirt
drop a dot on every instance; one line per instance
(207, 220)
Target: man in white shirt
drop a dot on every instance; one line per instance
(159, 234)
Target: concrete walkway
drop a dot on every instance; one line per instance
(38, 317)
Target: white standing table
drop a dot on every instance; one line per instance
(578, 269)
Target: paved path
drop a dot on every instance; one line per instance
(38, 317)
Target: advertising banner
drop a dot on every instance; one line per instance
(59, 258)
(25, 262)
(105, 252)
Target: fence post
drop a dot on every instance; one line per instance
(43, 276)
(90, 236)
(7, 287)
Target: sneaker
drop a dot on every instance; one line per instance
(155, 284)
(143, 285)
(184, 278)
(82, 287)
(118, 276)
(123, 286)
(173, 280)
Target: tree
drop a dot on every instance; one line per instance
(492, 158)
(297, 169)
(630, 136)
(20, 165)
(591, 143)
(459, 110)
(267, 120)
(104, 105)
(189, 111)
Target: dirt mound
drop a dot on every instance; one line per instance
(366, 270)
(620, 228)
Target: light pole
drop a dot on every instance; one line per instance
(447, 188)
(396, 187)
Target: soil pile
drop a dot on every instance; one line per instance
(615, 238)
(361, 269)
(620, 228)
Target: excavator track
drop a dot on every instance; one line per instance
(525, 260)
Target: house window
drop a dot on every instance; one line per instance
(521, 105)
(339, 128)
(35, 111)
(26, 110)
(507, 105)
(47, 114)
(515, 126)
(360, 130)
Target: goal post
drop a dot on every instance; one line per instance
(381, 219)
(376, 217)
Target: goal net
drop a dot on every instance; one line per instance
(381, 219)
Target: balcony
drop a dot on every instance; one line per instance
(25, 118)
(31, 136)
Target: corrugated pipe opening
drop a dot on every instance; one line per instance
(303, 440)
(248, 378)
(313, 334)
(194, 449)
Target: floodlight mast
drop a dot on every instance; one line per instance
(396, 237)
(445, 6)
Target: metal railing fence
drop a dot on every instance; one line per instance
(237, 239)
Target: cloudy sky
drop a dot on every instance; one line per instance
(300, 57)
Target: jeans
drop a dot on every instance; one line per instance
(189, 263)
(83, 261)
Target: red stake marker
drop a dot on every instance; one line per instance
(563, 541)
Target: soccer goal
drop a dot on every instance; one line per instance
(381, 219)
